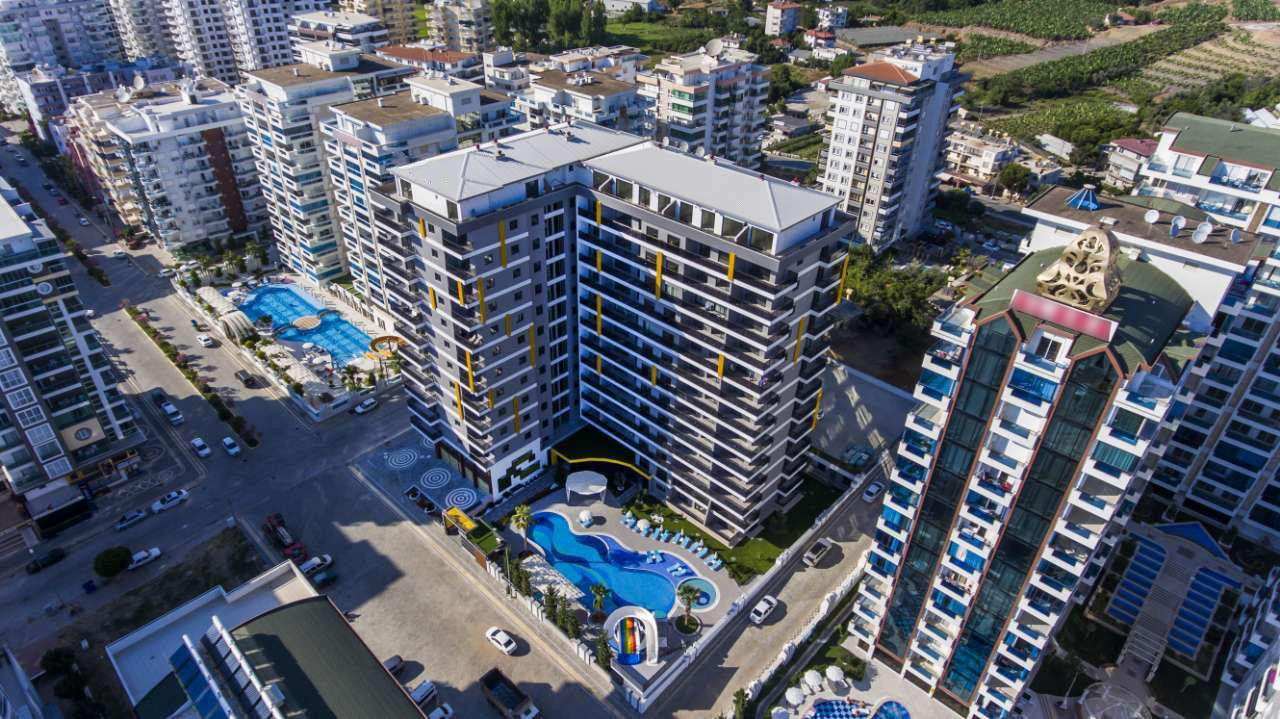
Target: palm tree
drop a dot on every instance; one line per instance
(521, 518)
(599, 591)
(688, 595)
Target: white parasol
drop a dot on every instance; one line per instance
(794, 696)
(835, 673)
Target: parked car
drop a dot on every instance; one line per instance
(232, 447)
(872, 491)
(444, 711)
(279, 533)
(84, 221)
(246, 379)
(763, 609)
(167, 272)
(206, 341)
(393, 664)
(501, 640)
(423, 693)
(128, 519)
(48, 559)
(120, 255)
(169, 501)
(366, 406)
(315, 564)
(323, 579)
(158, 397)
(47, 187)
(274, 519)
(90, 314)
(817, 552)
(145, 556)
(296, 552)
(202, 449)
(172, 414)
(62, 200)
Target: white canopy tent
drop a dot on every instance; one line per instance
(584, 483)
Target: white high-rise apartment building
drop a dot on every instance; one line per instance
(461, 25)
(71, 33)
(143, 29)
(363, 141)
(399, 16)
(1025, 455)
(284, 108)
(1251, 676)
(579, 274)
(708, 103)
(366, 33)
(888, 124)
(1219, 466)
(226, 38)
(172, 159)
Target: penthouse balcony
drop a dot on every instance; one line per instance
(956, 324)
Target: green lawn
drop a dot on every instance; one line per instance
(654, 38)
(806, 146)
(1174, 687)
(756, 555)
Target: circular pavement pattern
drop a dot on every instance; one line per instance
(402, 458)
(462, 497)
(434, 478)
(427, 443)
(307, 322)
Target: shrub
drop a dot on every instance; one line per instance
(604, 653)
(112, 561)
(58, 661)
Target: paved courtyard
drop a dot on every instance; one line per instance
(858, 410)
(407, 460)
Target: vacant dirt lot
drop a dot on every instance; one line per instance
(1054, 51)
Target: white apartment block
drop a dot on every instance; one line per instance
(47, 92)
(781, 17)
(1219, 466)
(363, 141)
(226, 38)
(1023, 459)
(365, 33)
(464, 65)
(461, 25)
(888, 121)
(284, 108)
(71, 33)
(556, 96)
(578, 274)
(172, 159)
(399, 16)
(505, 70)
(1251, 676)
(1125, 158)
(708, 103)
(480, 114)
(143, 30)
(617, 61)
(975, 156)
(832, 17)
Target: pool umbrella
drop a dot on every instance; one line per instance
(585, 516)
(813, 679)
(795, 697)
(642, 525)
(780, 713)
(835, 673)
(308, 345)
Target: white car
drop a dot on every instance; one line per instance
(84, 221)
(501, 640)
(168, 272)
(444, 711)
(872, 491)
(169, 501)
(315, 564)
(230, 445)
(146, 556)
(366, 406)
(90, 314)
(206, 341)
(202, 449)
(763, 609)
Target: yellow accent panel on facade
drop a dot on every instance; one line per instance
(502, 243)
(844, 274)
(599, 316)
(515, 409)
(457, 397)
(598, 368)
(599, 260)
(507, 321)
(597, 212)
(729, 274)
(653, 374)
(422, 228)
(462, 296)
(799, 339)
(490, 398)
(657, 278)
(471, 375)
(817, 405)
(533, 347)
(480, 296)
(720, 367)
(431, 294)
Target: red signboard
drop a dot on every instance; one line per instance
(1064, 315)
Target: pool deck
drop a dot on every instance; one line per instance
(608, 520)
(880, 685)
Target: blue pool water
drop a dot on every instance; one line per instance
(343, 340)
(840, 709)
(596, 559)
(707, 589)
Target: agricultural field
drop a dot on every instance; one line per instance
(1256, 53)
(1255, 10)
(1055, 51)
(980, 47)
(1044, 19)
(1059, 117)
(656, 39)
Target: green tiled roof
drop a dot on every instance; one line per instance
(1148, 308)
(1232, 141)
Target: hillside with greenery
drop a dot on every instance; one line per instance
(1047, 19)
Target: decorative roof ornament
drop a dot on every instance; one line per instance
(1086, 198)
(1085, 276)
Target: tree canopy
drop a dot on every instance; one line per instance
(1014, 177)
(892, 297)
(548, 24)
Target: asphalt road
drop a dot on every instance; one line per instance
(410, 598)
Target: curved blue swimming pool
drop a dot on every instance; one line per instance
(597, 559)
(341, 339)
(842, 709)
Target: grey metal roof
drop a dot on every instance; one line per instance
(883, 35)
(761, 200)
(473, 171)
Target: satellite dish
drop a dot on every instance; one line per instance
(1235, 236)
(1202, 232)
(714, 47)
(1176, 224)
(1151, 216)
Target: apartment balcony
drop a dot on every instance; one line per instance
(1081, 527)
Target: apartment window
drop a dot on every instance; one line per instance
(29, 416)
(21, 398)
(12, 378)
(1048, 349)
